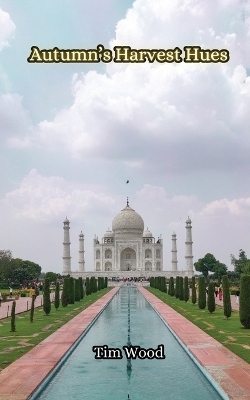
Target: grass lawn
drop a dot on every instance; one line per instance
(28, 334)
(229, 332)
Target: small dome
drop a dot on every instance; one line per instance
(188, 220)
(147, 233)
(108, 233)
(66, 221)
(128, 221)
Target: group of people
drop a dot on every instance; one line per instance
(219, 293)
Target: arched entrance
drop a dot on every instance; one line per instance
(128, 260)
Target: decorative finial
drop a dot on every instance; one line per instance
(127, 202)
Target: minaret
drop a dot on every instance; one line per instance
(66, 248)
(81, 252)
(174, 253)
(189, 252)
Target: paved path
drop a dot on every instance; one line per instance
(234, 305)
(22, 304)
(22, 377)
(228, 370)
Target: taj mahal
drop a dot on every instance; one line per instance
(127, 250)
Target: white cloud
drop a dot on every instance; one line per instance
(174, 118)
(44, 199)
(7, 29)
(235, 207)
(15, 122)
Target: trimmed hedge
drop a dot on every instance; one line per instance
(226, 297)
(202, 293)
(194, 295)
(211, 298)
(46, 297)
(245, 301)
(181, 288)
(186, 289)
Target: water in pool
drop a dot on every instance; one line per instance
(84, 377)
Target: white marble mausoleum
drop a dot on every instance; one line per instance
(128, 250)
(128, 247)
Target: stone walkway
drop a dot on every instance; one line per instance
(22, 304)
(19, 380)
(230, 372)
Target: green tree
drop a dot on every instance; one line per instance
(13, 317)
(65, 292)
(52, 276)
(5, 258)
(241, 263)
(181, 288)
(20, 275)
(57, 296)
(202, 293)
(77, 290)
(186, 289)
(32, 309)
(194, 295)
(46, 297)
(177, 287)
(81, 287)
(220, 269)
(87, 286)
(211, 298)
(171, 285)
(245, 301)
(106, 282)
(152, 282)
(226, 297)
(71, 290)
(206, 264)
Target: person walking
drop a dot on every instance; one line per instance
(220, 293)
(237, 295)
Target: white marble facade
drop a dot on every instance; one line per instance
(128, 247)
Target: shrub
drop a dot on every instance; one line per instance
(211, 298)
(71, 290)
(226, 297)
(57, 295)
(23, 294)
(13, 317)
(77, 290)
(32, 309)
(81, 287)
(177, 287)
(245, 300)
(46, 297)
(181, 289)
(106, 282)
(87, 286)
(202, 293)
(65, 292)
(186, 289)
(171, 286)
(194, 297)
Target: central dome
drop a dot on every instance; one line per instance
(128, 221)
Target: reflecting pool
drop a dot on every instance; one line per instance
(84, 377)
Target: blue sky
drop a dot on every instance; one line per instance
(72, 134)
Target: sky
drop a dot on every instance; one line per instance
(72, 134)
